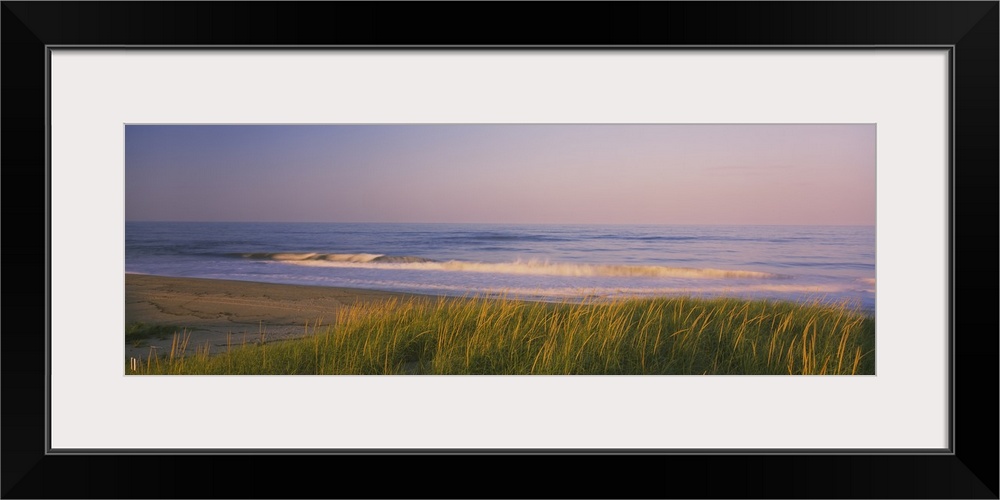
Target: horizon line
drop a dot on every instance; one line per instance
(499, 223)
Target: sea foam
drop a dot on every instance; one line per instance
(524, 267)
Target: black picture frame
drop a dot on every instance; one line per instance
(968, 470)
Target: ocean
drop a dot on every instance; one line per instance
(536, 262)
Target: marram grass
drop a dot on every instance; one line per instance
(669, 336)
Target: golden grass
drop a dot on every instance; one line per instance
(510, 337)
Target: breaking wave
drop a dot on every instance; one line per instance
(348, 258)
(529, 267)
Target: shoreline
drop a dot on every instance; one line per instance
(440, 336)
(217, 311)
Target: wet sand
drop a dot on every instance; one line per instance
(215, 312)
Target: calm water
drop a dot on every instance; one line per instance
(549, 262)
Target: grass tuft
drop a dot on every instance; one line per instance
(484, 336)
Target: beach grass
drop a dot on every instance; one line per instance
(499, 336)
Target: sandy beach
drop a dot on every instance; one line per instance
(217, 311)
(490, 337)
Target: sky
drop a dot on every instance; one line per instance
(807, 174)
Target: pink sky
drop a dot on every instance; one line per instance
(649, 174)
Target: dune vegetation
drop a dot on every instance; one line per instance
(489, 336)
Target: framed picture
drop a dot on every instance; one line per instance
(130, 85)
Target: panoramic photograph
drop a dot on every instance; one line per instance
(500, 249)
